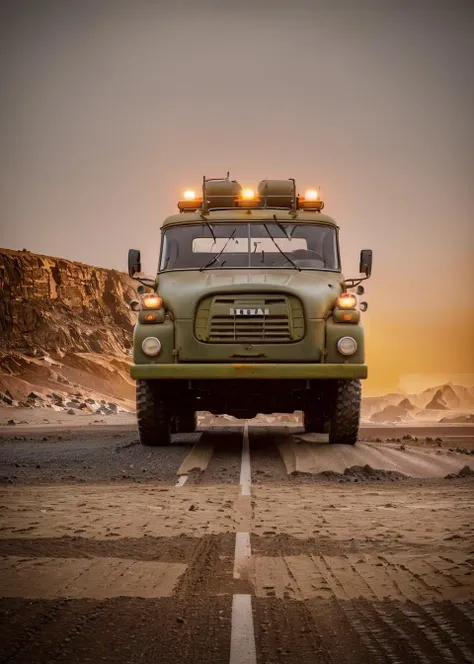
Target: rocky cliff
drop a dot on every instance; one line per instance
(63, 325)
(55, 305)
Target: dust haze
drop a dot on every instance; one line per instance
(110, 109)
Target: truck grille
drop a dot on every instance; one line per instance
(250, 319)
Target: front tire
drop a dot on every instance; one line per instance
(345, 415)
(152, 417)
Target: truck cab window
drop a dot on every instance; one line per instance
(254, 245)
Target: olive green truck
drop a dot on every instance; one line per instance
(249, 313)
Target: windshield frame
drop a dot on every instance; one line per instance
(269, 222)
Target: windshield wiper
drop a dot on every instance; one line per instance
(217, 256)
(280, 226)
(211, 230)
(290, 260)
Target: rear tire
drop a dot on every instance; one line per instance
(345, 416)
(184, 422)
(152, 417)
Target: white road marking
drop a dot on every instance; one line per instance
(182, 480)
(197, 458)
(242, 640)
(242, 554)
(245, 477)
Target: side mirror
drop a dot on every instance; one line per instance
(134, 262)
(365, 266)
(360, 290)
(363, 306)
(135, 305)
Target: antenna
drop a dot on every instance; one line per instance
(204, 199)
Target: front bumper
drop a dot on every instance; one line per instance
(259, 371)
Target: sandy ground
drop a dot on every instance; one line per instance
(42, 419)
(361, 554)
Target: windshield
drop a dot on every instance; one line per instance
(267, 244)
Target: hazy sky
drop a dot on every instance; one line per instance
(109, 109)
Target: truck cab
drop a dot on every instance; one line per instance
(249, 313)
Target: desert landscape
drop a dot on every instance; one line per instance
(365, 553)
(66, 331)
(291, 170)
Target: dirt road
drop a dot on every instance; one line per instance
(244, 545)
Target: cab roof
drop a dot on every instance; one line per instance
(247, 215)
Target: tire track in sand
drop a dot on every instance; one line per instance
(398, 577)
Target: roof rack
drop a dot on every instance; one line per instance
(224, 194)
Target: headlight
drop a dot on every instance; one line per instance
(152, 301)
(151, 346)
(347, 346)
(346, 301)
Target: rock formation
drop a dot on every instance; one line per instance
(406, 404)
(389, 414)
(55, 305)
(437, 402)
(460, 419)
(64, 327)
